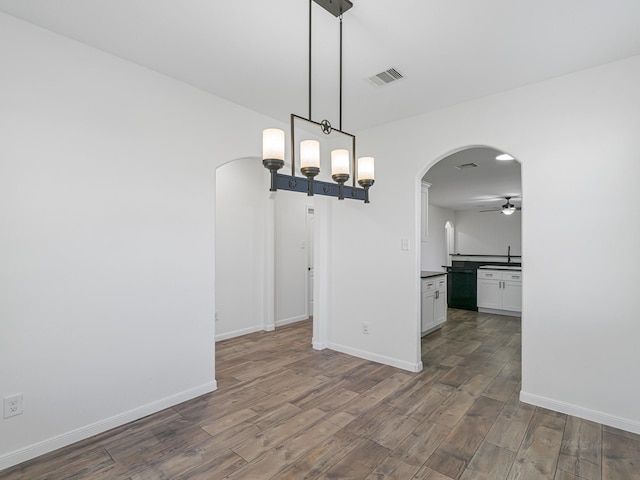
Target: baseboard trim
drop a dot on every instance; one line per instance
(318, 345)
(59, 441)
(510, 313)
(581, 412)
(374, 357)
(242, 331)
(287, 321)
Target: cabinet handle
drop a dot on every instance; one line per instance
(489, 274)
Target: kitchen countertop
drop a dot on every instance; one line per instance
(501, 267)
(427, 274)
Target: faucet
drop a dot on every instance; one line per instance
(509, 254)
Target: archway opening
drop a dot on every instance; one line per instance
(263, 252)
(473, 217)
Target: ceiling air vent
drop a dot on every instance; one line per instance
(466, 165)
(386, 77)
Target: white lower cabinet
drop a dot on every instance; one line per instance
(434, 303)
(500, 290)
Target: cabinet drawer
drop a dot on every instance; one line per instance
(441, 282)
(512, 276)
(428, 285)
(490, 274)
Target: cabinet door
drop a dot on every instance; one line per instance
(428, 320)
(489, 293)
(440, 307)
(512, 296)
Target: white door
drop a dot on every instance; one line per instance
(310, 228)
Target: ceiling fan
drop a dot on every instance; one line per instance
(507, 209)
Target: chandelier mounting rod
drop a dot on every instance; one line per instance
(340, 113)
(310, 6)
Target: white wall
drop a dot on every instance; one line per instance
(433, 254)
(488, 233)
(577, 138)
(107, 239)
(241, 216)
(291, 257)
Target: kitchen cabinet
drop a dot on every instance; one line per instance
(434, 303)
(499, 291)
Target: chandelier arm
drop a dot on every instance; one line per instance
(329, 189)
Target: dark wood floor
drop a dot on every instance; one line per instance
(284, 411)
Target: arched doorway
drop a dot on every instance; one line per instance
(468, 189)
(243, 302)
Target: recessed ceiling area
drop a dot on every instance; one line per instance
(480, 187)
(255, 53)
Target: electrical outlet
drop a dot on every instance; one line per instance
(217, 317)
(365, 328)
(12, 405)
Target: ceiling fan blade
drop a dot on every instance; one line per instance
(497, 210)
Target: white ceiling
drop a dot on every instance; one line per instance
(479, 188)
(254, 52)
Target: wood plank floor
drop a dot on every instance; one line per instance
(285, 411)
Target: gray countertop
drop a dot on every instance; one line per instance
(427, 274)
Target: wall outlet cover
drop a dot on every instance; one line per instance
(12, 405)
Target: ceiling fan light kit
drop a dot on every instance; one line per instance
(508, 208)
(343, 162)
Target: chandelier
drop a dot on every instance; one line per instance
(343, 163)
